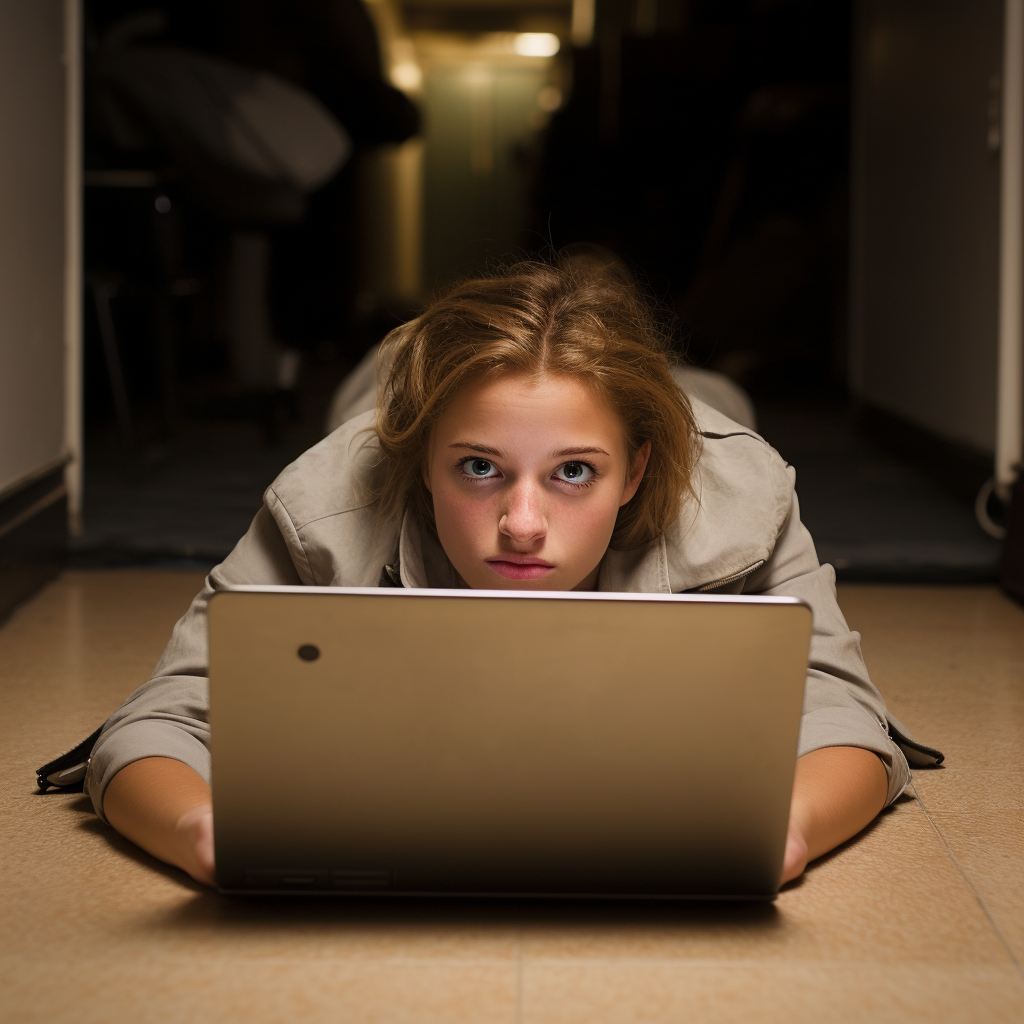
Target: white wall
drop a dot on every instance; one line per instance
(925, 287)
(32, 237)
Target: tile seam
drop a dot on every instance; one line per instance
(970, 885)
(775, 962)
(519, 977)
(603, 963)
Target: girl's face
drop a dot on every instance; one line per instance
(527, 476)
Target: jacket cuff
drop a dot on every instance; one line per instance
(847, 727)
(137, 740)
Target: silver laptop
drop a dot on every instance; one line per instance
(497, 743)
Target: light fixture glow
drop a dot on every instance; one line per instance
(536, 44)
(406, 75)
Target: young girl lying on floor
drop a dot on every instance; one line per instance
(529, 435)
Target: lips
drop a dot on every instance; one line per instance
(534, 569)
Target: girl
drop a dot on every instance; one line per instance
(529, 434)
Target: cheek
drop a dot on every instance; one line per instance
(589, 523)
(460, 517)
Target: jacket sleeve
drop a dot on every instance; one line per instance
(841, 705)
(169, 715)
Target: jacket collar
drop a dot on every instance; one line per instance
(641, 571)
(421, 559)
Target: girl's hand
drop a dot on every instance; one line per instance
(796, 856)
(194, 835)
(837, 791)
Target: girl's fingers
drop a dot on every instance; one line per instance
(795, 859)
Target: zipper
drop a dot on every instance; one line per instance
(726, 580)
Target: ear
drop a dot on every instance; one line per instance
(425, 472)
(636, 473)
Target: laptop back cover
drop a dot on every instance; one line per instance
(531, 743)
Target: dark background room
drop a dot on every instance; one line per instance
(710, 144)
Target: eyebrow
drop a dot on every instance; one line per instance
(475, 447)
(565, 452)
(562, 454)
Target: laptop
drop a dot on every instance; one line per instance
(458, 742)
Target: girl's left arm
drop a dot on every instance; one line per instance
(837, 791)
(851, 759)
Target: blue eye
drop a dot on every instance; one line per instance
(480, 469)
(574, 473)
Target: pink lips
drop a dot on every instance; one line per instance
(529, 570)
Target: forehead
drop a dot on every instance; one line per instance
(549, 406)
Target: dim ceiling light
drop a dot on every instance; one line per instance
(406, 75)
(536, 44)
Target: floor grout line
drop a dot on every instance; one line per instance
(970, 885)
(604, 962)
(519, 977)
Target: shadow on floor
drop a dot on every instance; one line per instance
(211, 911)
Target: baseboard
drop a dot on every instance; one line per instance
(920, 575)
(33, 538)
(954, 466)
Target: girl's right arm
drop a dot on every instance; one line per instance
(147, 771)
(164, 806)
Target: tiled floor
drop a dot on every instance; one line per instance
(920, 918)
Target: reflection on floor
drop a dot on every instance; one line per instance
(871, 516)
(922, 917)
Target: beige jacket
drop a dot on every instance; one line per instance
(318, 526)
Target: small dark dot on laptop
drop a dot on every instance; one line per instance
(309, 652)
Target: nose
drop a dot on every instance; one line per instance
(523, 520)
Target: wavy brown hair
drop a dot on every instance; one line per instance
(578, 315)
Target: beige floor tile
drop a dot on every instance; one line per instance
(228, 991)
(713, 993)
(74, 654)
(978, 741)
(892, 896)
(889, 614)
(950, 663)
(981, 728)
(955, 787)
(989, 847)
(111, 895)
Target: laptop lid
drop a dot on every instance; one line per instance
(495, 742)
